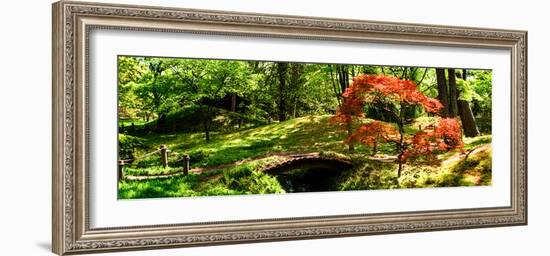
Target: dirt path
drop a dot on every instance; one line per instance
(458, 157)
(283, 157)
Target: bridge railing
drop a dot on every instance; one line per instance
(163, 151)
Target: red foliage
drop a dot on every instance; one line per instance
(370, 133)
(346, 111)
(372, 88)
(365, 89)
(446, 135)
(399, 90)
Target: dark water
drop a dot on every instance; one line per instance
(309, 180)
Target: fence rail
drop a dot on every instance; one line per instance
(163, 150)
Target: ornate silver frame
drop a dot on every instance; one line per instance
(72, 22)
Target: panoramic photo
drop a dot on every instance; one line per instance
(205, 127)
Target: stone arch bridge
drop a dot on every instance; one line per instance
(309, 161)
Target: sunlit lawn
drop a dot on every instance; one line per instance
(306, 134)
(300, 135)
(236, 180)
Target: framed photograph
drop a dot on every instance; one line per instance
(178, 127)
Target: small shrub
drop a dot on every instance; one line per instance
(426, 180)
(447, 178)
(218, 189)
(245, 178)
(199, 156)
(407, 181)
(129, 145)
(368, 175)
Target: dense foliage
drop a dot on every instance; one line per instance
(232, 118)
(393, 95)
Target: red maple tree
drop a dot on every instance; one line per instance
(392, 95)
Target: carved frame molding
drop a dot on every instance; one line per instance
(72, 22)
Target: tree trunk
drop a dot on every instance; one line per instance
(401, 145)
(161, 122)
(337, 93)
(468, 119)
(400, 156)
(351, 147)
(453, 93)
(207, 122)
(281, 72)
(206, 130)
(233, 102)
(295, 107)
(343, 74)
(467, 116)
(340, 78)
(442, 94)
(400, 167)
(295, 83)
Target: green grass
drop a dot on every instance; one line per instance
(179, 186)
(470, 143)
(249, 179)
(457, 171)
(306, 134)
(153, 170)
(475, 170)
(128, 123)
(238, 180)
(368, 174)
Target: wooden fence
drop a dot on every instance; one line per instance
(163, 151)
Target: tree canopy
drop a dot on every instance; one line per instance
(230, 119)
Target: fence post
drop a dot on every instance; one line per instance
(121, 164)
(164, 155)
(185, 165)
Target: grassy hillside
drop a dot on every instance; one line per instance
(259, 147)
(367, 174)
(296, 135)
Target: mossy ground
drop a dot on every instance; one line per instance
(300, 135)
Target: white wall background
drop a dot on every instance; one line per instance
(25, 140)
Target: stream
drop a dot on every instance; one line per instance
(309, 180)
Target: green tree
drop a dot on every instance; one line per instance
(130, 72)
(209, 81)
(157, 90)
